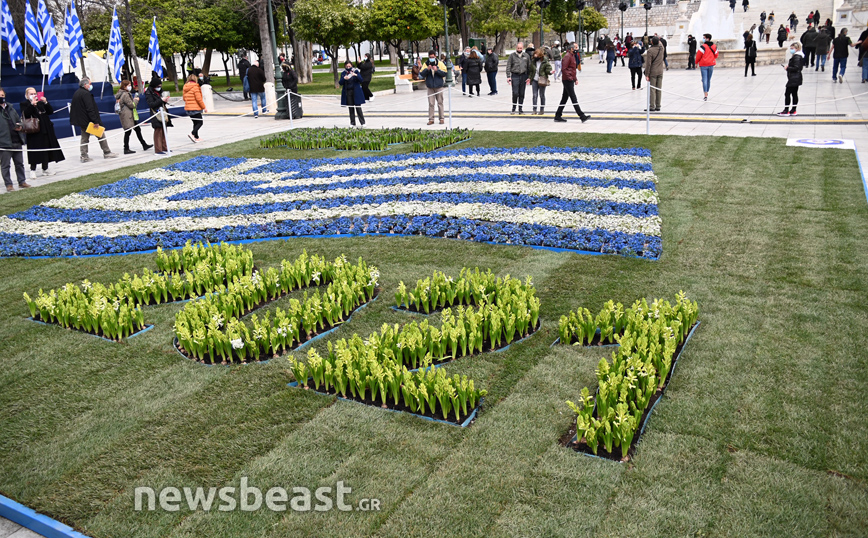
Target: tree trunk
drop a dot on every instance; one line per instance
(462, 26)
(226, 58)
(128, 27)
(266, 59)
(171, 69)
(397, 45)
(500, 42)
(206, 64)
(334, 55)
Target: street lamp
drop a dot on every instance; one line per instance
(647, 9)
(623, 8)
(279, 91)
(542, 5)
(580, 6)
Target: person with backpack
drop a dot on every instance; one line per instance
(822, 44)
(635, 64)
(706, 59)
(750, 55)
(809, 45)
(794, 80)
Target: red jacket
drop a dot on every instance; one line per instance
(568, 66)
(706, 55)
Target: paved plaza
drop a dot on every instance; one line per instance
(737, 106)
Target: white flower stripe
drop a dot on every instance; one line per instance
(485, 212)
(532, 188)
(573, 156)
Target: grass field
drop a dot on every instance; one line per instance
(762, 431)
(323, 83)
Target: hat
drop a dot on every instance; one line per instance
(156, 81)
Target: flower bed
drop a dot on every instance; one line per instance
(629, 387)
(209, 330)
(579, 199)
(342, 138)
(114, 311)
(471, 288)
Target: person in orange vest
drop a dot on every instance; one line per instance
(706, 59)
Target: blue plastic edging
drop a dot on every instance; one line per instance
(38, 523)
(638, 436)
(464, 424)
(862, 173)
(146, 329)
(338, 236)
(504, 348)
(266, 361)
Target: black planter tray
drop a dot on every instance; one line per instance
(369, 403)
(101, 337)
(263, 359)
(571, 440)
(595, 342)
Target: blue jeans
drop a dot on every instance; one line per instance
(245, 86)
(706, 71)
(842, 62)
(609, 63)
(492, 81)
(261, 98)
(821, 61)
(463, 82)
(864, 68)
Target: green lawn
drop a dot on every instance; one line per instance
(323, 83)
(762, 431)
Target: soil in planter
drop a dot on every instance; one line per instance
(570, 439)
(208, 359)
(395, 407)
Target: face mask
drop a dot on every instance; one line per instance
(201, 78)
(2, 100)
(158, 88)
(31, 96)
(129, 88)
(89, 87)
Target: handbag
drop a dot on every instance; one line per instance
(543, 80)
(30, 125)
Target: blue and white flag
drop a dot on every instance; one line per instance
(116, 47)
(31, 29)
(74, 36)
(49, 35)
(154, 51)
(9, 34)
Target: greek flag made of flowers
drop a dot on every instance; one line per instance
(581, 199)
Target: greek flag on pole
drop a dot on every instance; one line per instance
(49, 35)
(116, 46)
(31, 29)
(9, 34)
(154, 51)
(73, 34)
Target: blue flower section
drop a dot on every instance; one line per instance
(230, 189)
(599, 207)
(588, 240)
(132, 186)
(205, 164)
(287, 165)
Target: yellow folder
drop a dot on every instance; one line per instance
(95, 130)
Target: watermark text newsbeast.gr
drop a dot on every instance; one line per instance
(251, 498)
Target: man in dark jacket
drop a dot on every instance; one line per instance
(243, 66)
(10, 144)
(366, 68)
(821, 48)
(517, 67)
(290, 84)
(809, 45)
(434, 78)
(256, 79)
(691, 52)
(569, 65)
(82, 112)
(491, 65)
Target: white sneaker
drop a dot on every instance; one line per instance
(33, 174)
(47, 172)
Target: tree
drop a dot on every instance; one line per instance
(562, 16)
(302, 51)
(593, 21)
(330, 23)
(396, 21)
(498, 18)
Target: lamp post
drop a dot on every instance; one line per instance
(542, 5)
(279, 91)
(446, 5)
(647, 10)
(623, 8)
(648, 86)
(580, 6)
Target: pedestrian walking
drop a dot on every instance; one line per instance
(809, 45)
(290, 84)
(794, 21)
(473, 69)
(366, 68)
(194, 106)
(750, 55)
(706, 58)
(746, 5)
(129, 117)
(435, 81)
(782, 36)
(654, 67)
(160, 119)
(862, 46)
(822, 44)
(691, 52)
(243, 66)
(82, 112)
(10, 145)
(570, 67)
(352, 95)
(601, 48)
(768, 31)
(517, 67)
(256, 80)
(610, 54)
(817, 17)
(540, 71)
(732, 5)
(636, 60)
(491, 65)
(462, 62)
(556, 60)
(763, 17)
(839, 52)
(794, 79)
(42, 146)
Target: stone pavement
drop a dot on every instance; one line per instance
(737, 106)
(8, 529)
